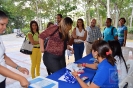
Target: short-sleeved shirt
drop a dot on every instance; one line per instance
(120, 31)
(108, 36)
(106, 75)
(2, 60)
(93, 34)
(55, 44)
(35, 37)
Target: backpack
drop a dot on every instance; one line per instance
(111, 31)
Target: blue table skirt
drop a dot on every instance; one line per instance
(88, 72)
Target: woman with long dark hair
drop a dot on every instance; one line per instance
(36, 53)
(120, 62)
(79, 34)
(106, 75)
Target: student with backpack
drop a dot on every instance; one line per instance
(110, 32)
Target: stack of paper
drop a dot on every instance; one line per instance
(73, 66)
(42, 82)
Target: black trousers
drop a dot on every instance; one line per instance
(3, 84)
(53, 62)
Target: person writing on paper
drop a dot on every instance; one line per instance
(5, 60)
(106, 75)
(36, 53)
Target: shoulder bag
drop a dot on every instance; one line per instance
(26, 47)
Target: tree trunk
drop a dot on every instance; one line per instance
(131, 20)
(108, 9)
(116, 16)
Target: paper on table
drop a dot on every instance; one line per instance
(69, 53)
(74, 66)
(62, 78)
(42, 82)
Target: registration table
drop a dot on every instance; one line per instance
(87, 72)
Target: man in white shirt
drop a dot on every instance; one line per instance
(93, 34)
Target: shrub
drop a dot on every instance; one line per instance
(130, 30)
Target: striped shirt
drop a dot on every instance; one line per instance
(93, 34)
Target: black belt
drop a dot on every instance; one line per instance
(36, 47)
(90, 42)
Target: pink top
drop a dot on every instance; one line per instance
(55, 44)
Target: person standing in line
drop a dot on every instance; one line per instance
(54, 53)
(58, 19)
(93, 34)
(110, 32)
(36, 53)
(5, 60)
(122, 32)
(50, 24)
(79, 34)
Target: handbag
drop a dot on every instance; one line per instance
(46, 40)
(26, 47)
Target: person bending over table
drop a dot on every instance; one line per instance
(5, 60)
(58, 42)
(106, 75)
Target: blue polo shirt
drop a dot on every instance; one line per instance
(121, 30)
(108, 34)
(106, 75)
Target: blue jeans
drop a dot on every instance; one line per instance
(78, 50)
(121, 41)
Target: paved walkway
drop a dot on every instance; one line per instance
(13, 45)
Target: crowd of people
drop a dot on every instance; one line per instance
(56, 38)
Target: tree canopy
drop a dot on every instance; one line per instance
(21, 12)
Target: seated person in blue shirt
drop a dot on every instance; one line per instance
(106, 75)
(110, 32)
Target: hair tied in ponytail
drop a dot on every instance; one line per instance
(109, 52)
